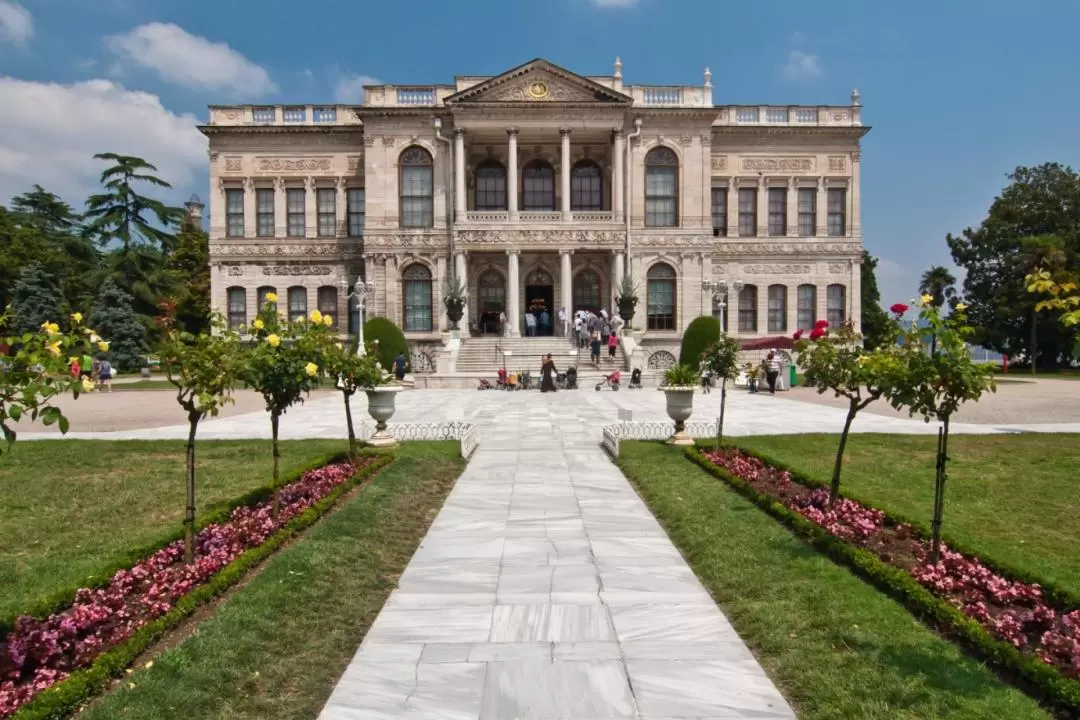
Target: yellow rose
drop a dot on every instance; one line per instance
(73, 360)
(103, 345)
(87, 384)
(77, 317)
(961, 306)
(54, 349)
(316, 317)
(926, 298)
(274, 340)
(311, 369)
(271, 297)
(50, 327)
(327, 320)
(258, 324)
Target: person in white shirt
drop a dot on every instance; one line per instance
(530, 324)
(772, 370)
(562, 321)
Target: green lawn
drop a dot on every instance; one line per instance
(70, 508)
(1015, 498)
(836, 647)
(276, 647)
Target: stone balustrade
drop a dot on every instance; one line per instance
(789, 115)
(282, 115)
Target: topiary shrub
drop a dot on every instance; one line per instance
(391, 341)
(702, 332)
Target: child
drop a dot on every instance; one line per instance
(612, 343)
(104, 374)
(706, 381)
(594, 348)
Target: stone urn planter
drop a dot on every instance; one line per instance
(680, 405)
(381, 408)
(626, 310)
(455, 308)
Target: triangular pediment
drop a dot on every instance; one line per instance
(538, 81)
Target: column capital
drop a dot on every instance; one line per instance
(564, 131)
(279, 183)
(459, 132)
(513, 251)
(339, 182)
(512, 132)
(249, 183)
(856, 155)
(566, 251)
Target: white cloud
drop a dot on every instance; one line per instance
(191, 61)
(614, 3)
(802, 66)
(349, 89)
(16, 24)
(51, 132)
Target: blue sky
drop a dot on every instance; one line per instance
(957, 93)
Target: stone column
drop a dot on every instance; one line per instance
(733, 208)
(512, 174)
(618, 179)
(792, 228)
(310, 208)
(854, 228)
(459, 174)
(513, 292)
(341, 208)
(762, 208)
(462, 271)
(565, 281)
(249, 207)
(616, 282)
(565, 134)
(280, 217)
(822, 215)
(763, 310)
(440, 272)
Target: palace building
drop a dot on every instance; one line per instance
(536, 187)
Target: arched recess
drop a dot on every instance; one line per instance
(538, 186)
(661, 297)
(586, 186)
(416, 170)
(418, 314)
(490, 185)
(661, 187)
(587, 290)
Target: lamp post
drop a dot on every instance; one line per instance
(719, 291)
(362, 290)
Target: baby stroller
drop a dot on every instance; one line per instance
(612, 380)
(571, 378)
(635, 379)
(503, 380)
(524, 380)
(484, 384)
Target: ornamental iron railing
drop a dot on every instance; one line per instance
(651, 430)
(465, 433)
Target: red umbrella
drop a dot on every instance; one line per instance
(781, 342)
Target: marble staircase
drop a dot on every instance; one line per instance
(488, 354)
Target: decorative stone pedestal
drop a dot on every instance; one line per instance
(381, 408)
(680, 405)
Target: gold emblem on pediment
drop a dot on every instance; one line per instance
(538, 90)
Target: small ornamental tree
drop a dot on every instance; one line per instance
(838, 362)
(204, 369)
(35, 370)
(114, 317)
(722, 360)
(935, 384)
(281, 365)
(702, 332)
(351, 372)
(35, 299)
(1061, 294)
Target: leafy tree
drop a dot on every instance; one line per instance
(114, 318)
(701, 333)
(1059, 291)
(722, 360)
(1039, 201)
(874, 319)
(190, 268)
(351, 371)
(204, 370)
(35, 299)
(1042, 252)
(47, 211)
(940, 286)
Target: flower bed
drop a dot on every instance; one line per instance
(38, 654)
(983, 607)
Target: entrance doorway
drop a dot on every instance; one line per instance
(492, 291)
(540, 303)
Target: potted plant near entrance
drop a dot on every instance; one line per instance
(454, 298)
(678, 387)
(627, 299)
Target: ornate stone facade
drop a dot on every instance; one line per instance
(541, 185)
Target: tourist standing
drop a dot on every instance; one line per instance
(86, 366)
(545, 322)
(399, 366)
(594, 350)
(612, 343)
(547, 375)
(562, 322)
(530, 324)
(772, 370)
(104, 374)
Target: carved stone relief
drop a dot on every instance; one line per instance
(837, 268)
(292, 164)
(297, 270)
(233, 163)
(369, 141)
(783, 164)
(354, 162)
(296, 250)
(539, 87)
(802, 248)
(234, 271)
(661, 360)
(719, 162)
(837, 163)
(776, 269)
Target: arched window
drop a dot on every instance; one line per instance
(237, 306)
(417, 188)
(261, 294)
(836, 305)
(297, 303)
(587, 291)
(777, 308)
(661, 188)
(416, 287)
(748, 308)
(807, 307)
(490, 186)
(538, 185)
(327, 301)
(354, 314)
(660, 304)
(586, 186)
(492, 291)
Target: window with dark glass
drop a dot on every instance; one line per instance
(297, 303)
(492, 290)
(237, 302)
(837, 199)
(416, 288)
(355, 198)
(719, 210)
(836, 305)
(234, 212)
(748, 211)
(586, 186)
(417, 188)
(295, 209)
(327, 302)
(777, 211)
(748, 308)
(807, 307)
(777, 308)
(538, 186)
(261, 293)
(326, 202)
(490, 186)
(660, 297)
(807, 212)
(354, 313)
(586, 291)
(264, 212)
(661, 188)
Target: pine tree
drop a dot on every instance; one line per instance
(190, 267)
(874, 320)
(35, 299)
(115, 320)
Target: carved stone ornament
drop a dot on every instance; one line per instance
(580, 239)
(686, 140)
(213, 155)
(234, 271)
(234, 163)
(719, 162)
(369, 141)
(538, 87)
(783, 164)
(839, 116)
(354, 162)
(232, 114)
(388, 141)
(837, 268)
(706, 140)
(776, 269)
(837, 163)
(798, 249)
(296, 250)
(292, 164)
(297, 270)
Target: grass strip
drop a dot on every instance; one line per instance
(836, 647)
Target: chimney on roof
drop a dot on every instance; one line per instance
(617, 77)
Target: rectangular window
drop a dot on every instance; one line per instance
(748, 212)
(748, 309)
(777, 211)
(777, 308)
(417, 196)
(719, 211)
(660, 305)
(264, 212)
(261, 296)
(234, 212)
(326, 202)
(807, 307)
(807, 212)
(327, 300)
(837, 212)
(295, 210)
(356, 212)
(297, 303)
(836, 305)
(237, 299)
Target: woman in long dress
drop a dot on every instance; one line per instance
(547, 375)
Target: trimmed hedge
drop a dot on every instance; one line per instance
(1044, 682)
(391, 341)
(62, 599)
(702, 332)
(63, 698)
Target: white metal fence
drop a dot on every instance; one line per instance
(651, 430)
(465, 433)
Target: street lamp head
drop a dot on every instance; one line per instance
(438, 123)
